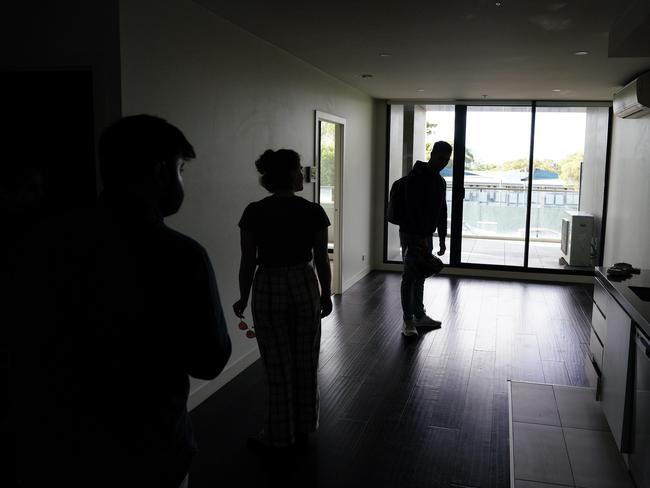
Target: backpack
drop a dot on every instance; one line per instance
(397, 202)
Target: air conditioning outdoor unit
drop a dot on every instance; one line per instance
(633, 100)
(577, 229)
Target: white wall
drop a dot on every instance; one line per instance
(592, 189)
(627, 231)
(234, 96)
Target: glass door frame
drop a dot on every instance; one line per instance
(458, 189)
(458, 184)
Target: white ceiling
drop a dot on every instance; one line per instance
(456, 49)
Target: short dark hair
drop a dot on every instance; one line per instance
(277, 169)
(132, 146)
(441, 147)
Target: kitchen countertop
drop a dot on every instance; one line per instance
(617, 286)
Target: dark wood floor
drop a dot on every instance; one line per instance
(396, 412)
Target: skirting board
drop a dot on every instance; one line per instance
(507, 275)
(353, 279)
(511, 438)
(204, 390)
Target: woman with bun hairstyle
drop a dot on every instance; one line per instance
(280, 237)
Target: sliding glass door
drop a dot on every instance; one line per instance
(518, 171)
(557, 168)
(497, 150)
(413, 129)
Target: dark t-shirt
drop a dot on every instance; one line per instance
(117, 311)
(284, 228)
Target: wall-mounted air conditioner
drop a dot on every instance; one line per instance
(633, 100)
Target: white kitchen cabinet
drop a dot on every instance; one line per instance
(616, 385)
(594, 359)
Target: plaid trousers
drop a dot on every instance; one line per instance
(286, 313)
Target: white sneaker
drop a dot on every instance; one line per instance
(426, 321)
(408, 328)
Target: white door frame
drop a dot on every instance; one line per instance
(337, 273)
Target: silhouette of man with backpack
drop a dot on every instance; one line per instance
(418, 205)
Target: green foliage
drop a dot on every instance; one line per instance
(567, 169)
(547, 165)
(429, 139)
(515, 165)
(521, 164)
(570, 168)
(470, 159)
(485, 167)
(327, 156)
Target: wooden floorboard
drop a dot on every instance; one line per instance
(472, 463)
(430, 411)
(500, 443)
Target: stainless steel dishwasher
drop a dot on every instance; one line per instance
(640, 455)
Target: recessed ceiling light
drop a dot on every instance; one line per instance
(420, 89)
(581, 53)
(366, 75)
(385, 55)
(556, 90)
(498, 4)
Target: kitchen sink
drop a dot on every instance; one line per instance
(642, 292)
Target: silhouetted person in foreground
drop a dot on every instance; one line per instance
(426, 211)
(279, 236)
(21, 196)
(117, 310)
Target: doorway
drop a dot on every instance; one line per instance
(330, 131)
